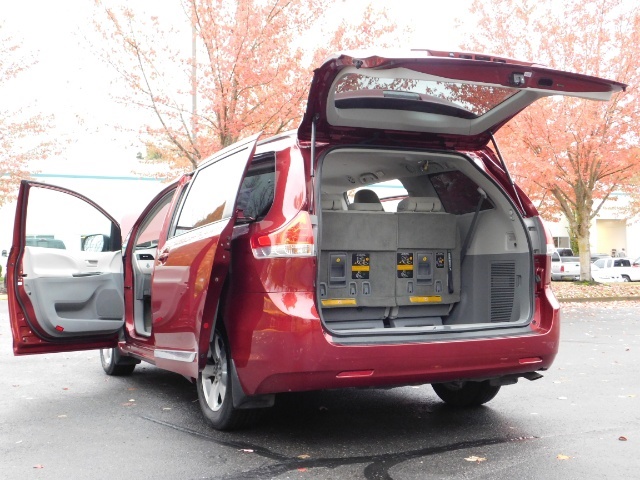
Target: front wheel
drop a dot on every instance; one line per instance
(626, 278)
(114, 363)
(465, 394)
(214, 389)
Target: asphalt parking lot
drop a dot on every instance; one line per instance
(61, 417)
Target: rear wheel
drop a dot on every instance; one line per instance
(626, 278)
(465, 394)
(214, 389)
(114, 363)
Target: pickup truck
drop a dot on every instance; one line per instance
(610, 268)
(564, 268)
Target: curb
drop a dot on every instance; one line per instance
(598, 299)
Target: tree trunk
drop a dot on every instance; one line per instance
(584, 247)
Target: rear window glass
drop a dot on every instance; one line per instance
(445, 98)
(390, 193)
(458, 194)
(622, 263)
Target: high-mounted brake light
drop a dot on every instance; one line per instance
(294, 239)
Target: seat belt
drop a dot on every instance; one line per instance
(472, 228)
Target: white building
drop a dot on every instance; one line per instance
(611, 231)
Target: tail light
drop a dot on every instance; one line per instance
(294, 239)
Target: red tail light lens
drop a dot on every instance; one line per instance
(294, 239)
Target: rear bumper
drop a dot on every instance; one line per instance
(279, 345)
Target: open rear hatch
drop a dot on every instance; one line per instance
(435, 98)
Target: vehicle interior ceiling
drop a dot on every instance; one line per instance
(428, 263)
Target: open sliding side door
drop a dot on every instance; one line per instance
(193, 262)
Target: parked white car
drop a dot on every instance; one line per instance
(564, 267)
(615, 270)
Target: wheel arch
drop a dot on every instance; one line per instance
(212, 317)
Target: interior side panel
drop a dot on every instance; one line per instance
(75, 293)
(495, 288)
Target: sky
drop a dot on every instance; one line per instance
(72, 83)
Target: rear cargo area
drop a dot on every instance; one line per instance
(446, 252)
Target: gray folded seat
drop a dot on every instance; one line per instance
(427, 263)
(357, 266)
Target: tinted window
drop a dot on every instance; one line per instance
(210, 196)
(149, 232)
(457, 193)
(622, 263)
(256, 192)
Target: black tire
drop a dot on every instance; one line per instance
(626, 278)
(215, 389)
(114, 363)
(465, 394)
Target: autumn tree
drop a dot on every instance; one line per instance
(21, 134)
(570, 155)
(218, 70)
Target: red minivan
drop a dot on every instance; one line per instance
(382, 243)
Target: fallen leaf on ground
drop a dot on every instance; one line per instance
(246, 450)
(474, 458)
(304, 456)
(65, 388)
(622, 439)
(132, 399)
(132, 388)
(302, 469)
(563, 457)
(166, 408)
(127, 404)
(38, 466)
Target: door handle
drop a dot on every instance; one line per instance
(162, 256)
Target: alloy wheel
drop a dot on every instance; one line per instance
(214, 377)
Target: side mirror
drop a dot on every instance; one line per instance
(95, 243)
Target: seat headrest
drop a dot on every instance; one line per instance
(420, 204)
(333, 202)
(366, 200)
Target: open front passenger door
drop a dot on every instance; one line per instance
(65, 273)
